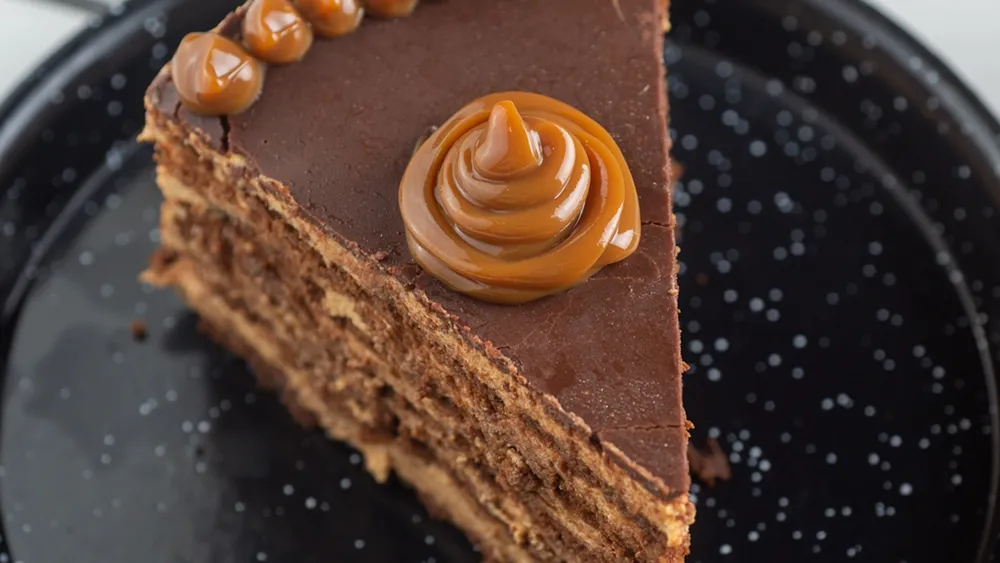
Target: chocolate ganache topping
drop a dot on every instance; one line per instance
(518, 196)
(215, 75)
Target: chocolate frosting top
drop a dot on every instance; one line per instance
(338, 128)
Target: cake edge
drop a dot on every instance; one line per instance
(308, 224)
(213, 133)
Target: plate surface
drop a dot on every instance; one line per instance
(840, 278)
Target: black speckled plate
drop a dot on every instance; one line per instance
(840, 293)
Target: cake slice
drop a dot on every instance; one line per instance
(551, 429)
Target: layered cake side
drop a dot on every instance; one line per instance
(549, 430)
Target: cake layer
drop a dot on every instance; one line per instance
(608, 350)
(265, 204)
(599, 525)
(444, 496)
(350, 392)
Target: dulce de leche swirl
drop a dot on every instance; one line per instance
(518, 196)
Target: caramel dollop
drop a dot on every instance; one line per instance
(332, 18)
(391, 8)
(214, 75)
(274, 32)
(518, 196)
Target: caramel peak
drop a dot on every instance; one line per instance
(508, 146)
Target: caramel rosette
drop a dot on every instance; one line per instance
(518, 196)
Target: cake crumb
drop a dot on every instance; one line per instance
(377, 462)
(380, 255)
(138, 330)
(709, 464)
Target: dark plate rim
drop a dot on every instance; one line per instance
(29, 107)
(983, 131)
(31, 103)
(959, 101)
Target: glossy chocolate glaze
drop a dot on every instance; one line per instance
(608, 349)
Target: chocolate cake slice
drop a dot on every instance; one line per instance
(548, 430)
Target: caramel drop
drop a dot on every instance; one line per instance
(274, 32)
(331, 18)
(390, 8)
(214, 75)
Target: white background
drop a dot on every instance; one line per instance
(966, 33)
